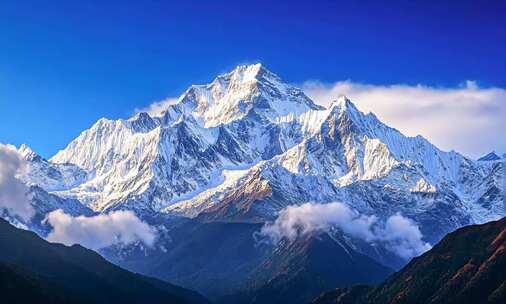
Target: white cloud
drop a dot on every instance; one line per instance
(468, 119)
(156, 108)
(402, 236)
(100, 231)
(398, 234)
(306, 218)
(14, 195)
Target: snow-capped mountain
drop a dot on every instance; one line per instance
(354, 158)
(42, 178)
(48, 175)
(212, 168)
(147, 163)
(248, 144)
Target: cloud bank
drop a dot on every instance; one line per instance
(399, 234)
(157, 107)
(14, 197)
(100, 231)
(468, 119)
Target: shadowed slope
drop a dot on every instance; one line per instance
(33, 270)
(467, 266)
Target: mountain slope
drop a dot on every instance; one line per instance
(245, 270)
(31, 268)
(297, 271)
(213, 258)
(467, 266)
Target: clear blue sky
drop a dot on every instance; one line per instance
(64, 64)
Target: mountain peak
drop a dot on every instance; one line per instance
(246, 74)
(342, 101)
(344, 105)
(249, 68)
(492, 156)
(27, 153)
(247, 89)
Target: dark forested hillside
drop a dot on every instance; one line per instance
(467, 266)
(35, 271)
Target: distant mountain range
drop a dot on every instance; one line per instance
(247, 145)
(212, 168)
(467, 266)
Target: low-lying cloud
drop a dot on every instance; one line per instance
(100, 231)
(468, 119)
(14, 196)
(398, 233)
(402, 236)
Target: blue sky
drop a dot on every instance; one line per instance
(65, 64)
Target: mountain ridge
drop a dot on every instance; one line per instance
(249, 123)
(465, 267)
